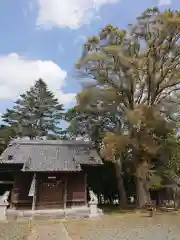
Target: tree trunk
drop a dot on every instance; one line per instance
(120, 184)
(142, 192)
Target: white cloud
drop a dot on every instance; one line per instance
(17, 74)
(68, 13)
(164, 2)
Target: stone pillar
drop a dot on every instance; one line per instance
(93, 210)
(3, 208)
(3, 205)
(93, 205)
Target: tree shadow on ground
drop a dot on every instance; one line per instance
(115, 209)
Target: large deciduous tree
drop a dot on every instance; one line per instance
(36, 113)
(93, 123)
(136, 74)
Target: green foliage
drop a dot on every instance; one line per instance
(134, 80)
(135, 76)
(6, 134)
(36, 113)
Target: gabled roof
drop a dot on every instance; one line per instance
(50, 155)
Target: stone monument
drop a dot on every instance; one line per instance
(93, 204)
(3, 205)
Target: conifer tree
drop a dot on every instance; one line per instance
(36, 113)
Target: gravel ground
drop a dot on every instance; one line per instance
(111, 227)
(14, 230)
(51, 231)
(33, 230)
(160, 227)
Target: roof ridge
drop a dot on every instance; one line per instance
(50, 142)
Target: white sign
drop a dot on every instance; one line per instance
(32, 188)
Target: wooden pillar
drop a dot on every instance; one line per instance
(35, 193)
(65, 191)
(85, 188)
(15, 191)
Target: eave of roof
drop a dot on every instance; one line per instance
(51, 155)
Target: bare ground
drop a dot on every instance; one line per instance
(14, 230)
(111, 227)
(130, 227)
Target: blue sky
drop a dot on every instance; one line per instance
(43, 38)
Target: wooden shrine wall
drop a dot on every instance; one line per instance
(60, 190)
(76, 189)
(20, 190)
(53, 190)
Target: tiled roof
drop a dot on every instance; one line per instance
(50, 155)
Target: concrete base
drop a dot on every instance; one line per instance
(65, 214)
(94, 210)
(3, 208)
(68, 213)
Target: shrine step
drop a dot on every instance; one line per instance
(76, 213)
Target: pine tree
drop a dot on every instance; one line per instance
(6, 134)
(36, 113)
